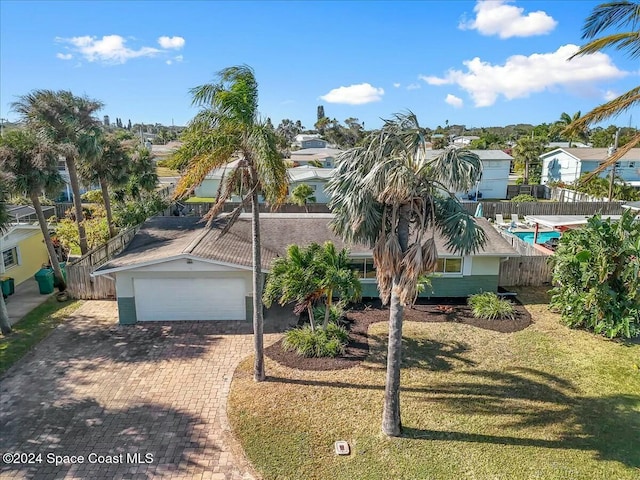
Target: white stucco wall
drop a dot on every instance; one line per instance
(485, 266)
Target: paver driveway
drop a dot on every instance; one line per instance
(150, 392)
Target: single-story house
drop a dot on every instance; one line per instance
(464, 140)
(177, 269)
(316, 178)
(568, 164)
(23, 252)
(326, 156)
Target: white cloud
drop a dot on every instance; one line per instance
(454, 101)
(178, 58)
(396, 85)
(110, 49)
(495, 17)
(169, 62)
(64, 56)
(354, 94)
(610, 95)
(171, 42)
(413, 86)
(520, 76)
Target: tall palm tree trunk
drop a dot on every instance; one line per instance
(53, 257)
(107, 207)
(391, 423)
(258, 320)
(77, 203)
(5, 326)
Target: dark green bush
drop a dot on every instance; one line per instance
(488, 305)
(319, 343)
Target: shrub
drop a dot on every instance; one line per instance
(595, 273)
(92, 196)
(524, 198)
(488, 305)
(319, 343)
(336, 313)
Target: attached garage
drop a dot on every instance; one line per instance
(161, 299)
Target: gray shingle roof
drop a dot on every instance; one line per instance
(166, 237)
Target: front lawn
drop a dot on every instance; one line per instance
(34, 327)
(545, 402)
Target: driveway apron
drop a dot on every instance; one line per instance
(98, 400)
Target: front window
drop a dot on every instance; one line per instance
(363, 267)
(10, 257)
(449, 265)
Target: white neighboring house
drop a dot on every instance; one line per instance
(495, 174)
(326, 156)
(316, 178)
(568, 164)
(464, 140)
(211, 183)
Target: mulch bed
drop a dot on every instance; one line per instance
(453, 310)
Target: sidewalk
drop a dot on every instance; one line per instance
(26, 298)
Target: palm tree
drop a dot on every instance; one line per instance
(527, 153)
(228, 125)
(390, 195)
(62, 119)
(302, 195)
(296, 278)
(33, 167)
(5, 324)
(337, 278)
(107, 166)
(306, 275)
(607, 16)
(570, 131)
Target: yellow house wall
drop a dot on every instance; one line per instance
(33, 253)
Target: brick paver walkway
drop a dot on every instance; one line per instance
(122, 396)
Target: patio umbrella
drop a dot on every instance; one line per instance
(479, 211)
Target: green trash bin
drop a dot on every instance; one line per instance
(7, 286)
(44, 277)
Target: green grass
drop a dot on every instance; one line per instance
(166, 172)
(545, 403)
(200, 200)
(35, 326)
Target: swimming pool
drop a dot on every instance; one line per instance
(542, 236)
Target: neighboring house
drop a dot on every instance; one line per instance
(315, 177)
(326, 156)
(22, 246)
(309, 140)
(66, 194)
(177, 269)
(555, 145)
(210, 185)
(495, 174)
(568, 164)
(162, 152)
(464, 140)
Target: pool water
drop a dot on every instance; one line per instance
(542, 236)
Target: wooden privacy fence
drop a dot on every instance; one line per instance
(489, 209)
(530, 269)
(81, 284)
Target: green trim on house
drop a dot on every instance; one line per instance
(127, 310)
(447, 286)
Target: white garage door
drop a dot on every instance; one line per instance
(189, 298)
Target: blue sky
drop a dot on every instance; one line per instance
(477, 63)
